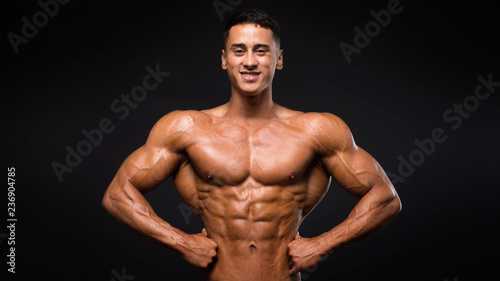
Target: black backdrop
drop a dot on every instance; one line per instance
(65, 78)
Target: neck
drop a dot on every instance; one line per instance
(250, 108)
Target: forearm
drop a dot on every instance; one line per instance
(127, 205)
(370, 214)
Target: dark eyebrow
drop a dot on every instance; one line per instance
(243, 46)
(238, 45)
(261, 46)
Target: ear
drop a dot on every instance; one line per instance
(223, 60)
(279, 63)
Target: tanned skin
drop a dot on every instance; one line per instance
(252, 170)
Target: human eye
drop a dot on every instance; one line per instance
(239, 51)
(261, 52)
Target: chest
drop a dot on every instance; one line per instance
(227, 154)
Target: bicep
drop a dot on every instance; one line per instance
(157, 159)
(148, 167)
(355, 170)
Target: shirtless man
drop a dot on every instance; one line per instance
(252, 170)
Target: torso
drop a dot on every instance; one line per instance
(252, 186)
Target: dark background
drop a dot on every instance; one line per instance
(393, 92)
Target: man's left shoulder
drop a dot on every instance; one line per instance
(326, 131)
(320, 121)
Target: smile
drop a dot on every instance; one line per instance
(250, 76)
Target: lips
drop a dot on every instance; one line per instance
(250, 75)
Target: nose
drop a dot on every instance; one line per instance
(250, 62)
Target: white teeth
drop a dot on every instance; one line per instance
(250, 74)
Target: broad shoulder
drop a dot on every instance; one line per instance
(319, 121)
(173, 129)
(313, 118)
(180, 121)
(327, 132)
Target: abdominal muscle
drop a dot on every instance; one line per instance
(252, 225)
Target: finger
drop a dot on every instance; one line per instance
(204, 232)
(294, 271)
(213, 253)
(214, 244)
(297, 236)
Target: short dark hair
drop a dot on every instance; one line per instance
(256, 16)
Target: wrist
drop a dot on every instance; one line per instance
(175, 239)
(333, 241)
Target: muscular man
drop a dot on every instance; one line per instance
(252, 170)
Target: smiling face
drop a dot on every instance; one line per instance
(250, 57)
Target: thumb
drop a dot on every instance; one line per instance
(297, 236)
(204, 232)
(294, 271)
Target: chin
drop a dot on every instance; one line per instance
(250, 92)
(253, 89)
